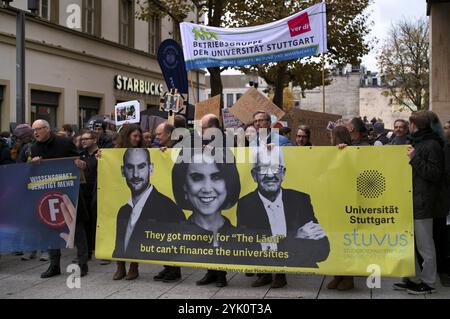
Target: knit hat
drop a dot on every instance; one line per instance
(378, 127)
(23, 131)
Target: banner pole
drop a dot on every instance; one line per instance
(323, 83)
(193, 89)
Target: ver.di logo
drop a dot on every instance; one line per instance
(371, 184)
(204, 35)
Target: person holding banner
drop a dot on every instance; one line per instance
(427, 161)
(206, 186)
(303, 137)
(49, 146)
(281, 213)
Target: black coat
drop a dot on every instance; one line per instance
(428, 175)
(54, 147)
(251, 214)
(159, 214)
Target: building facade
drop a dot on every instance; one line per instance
(82, 58)
(439, 12)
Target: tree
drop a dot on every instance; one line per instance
(178, 10)
(404, 64)
(347, 27)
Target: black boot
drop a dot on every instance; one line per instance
(221, 279)
(83, 270)
(209, 278)
(173, 275)
(53, 270)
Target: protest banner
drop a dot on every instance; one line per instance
(253, 101)
(209, 106)
(32, 216)
(318, 122)
(297, 36)
(171, 62)
(343, 209)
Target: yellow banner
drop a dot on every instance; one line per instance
(314, 210)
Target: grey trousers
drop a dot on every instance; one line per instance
(423, 230)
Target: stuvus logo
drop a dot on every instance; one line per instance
(204, 35)
(299, 25)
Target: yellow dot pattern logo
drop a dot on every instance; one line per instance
(371, 184)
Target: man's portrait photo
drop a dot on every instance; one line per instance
(146, 209)
(287, 214)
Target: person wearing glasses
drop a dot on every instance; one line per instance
(272, 210)
(265, 135)
(47, 146)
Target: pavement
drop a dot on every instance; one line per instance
(21, 280)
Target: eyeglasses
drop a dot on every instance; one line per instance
(266, 170)
(259, 121)
(86, 139)
(39, 128)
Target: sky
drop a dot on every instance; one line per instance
(386, 12)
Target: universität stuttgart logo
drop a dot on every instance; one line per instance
(371, 184)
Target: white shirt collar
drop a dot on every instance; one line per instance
(277, 203)
(136, 213)
(143, 198)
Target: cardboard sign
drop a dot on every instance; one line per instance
(127, 113)
(209, 106)
(229, 120)
(251, 102)
(318, 122)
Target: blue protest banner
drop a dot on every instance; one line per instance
(171, 61)
(38, 205)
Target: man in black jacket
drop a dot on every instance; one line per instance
(147, 208)
(48, 146)
(427, 160)
(273, 211)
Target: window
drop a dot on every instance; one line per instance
(44, 106)
(92, 17)
(44, 9)
(126, 22)
(89, 107)
(154, 33)
(238, 96)
(230, 100)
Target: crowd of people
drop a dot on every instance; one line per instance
(428, 153)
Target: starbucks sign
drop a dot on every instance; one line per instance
(124, 83)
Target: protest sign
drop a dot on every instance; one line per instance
(127, 112)
(253, 101)
(32, 216)
(297, 36)
(318, 122)
(209, 106)
(229, 120)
